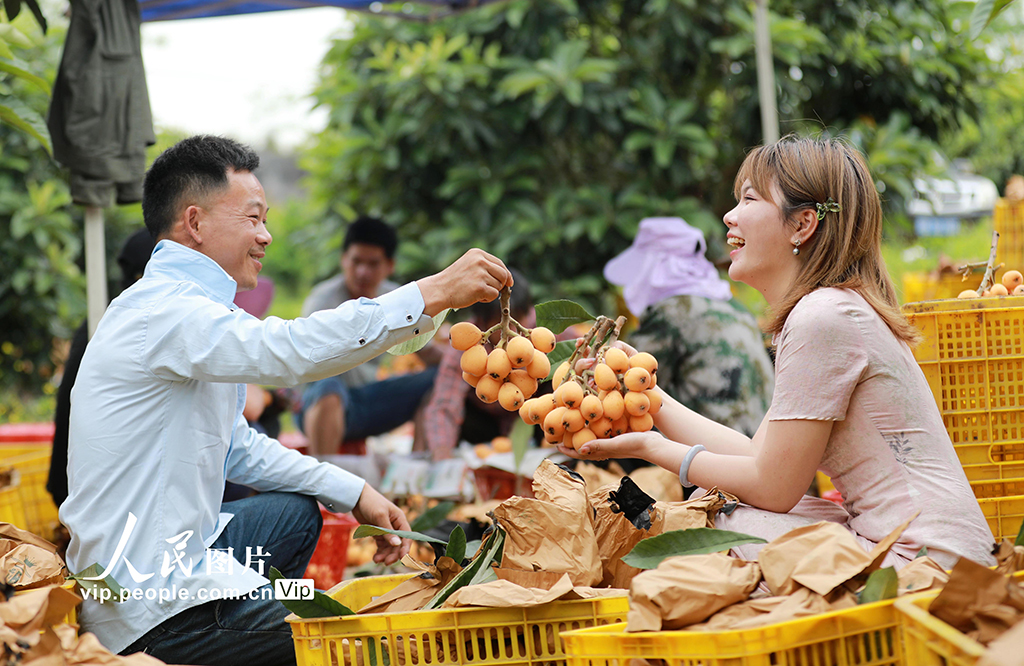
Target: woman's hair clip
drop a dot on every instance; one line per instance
(829, 206)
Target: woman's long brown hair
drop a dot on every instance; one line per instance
(846, 250)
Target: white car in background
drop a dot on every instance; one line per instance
(961, 195)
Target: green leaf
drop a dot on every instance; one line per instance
(456, 548)
(882, 584)
(1020, 536)
(475, 572)
(924, 551)
(26, 120)
(984, 12)
(320, 606)
(560, 354)
(94, 586)
(560, 315)
(650, 552)
(373, 530)
(420, 341)
(432, 517)
(25, 75)
(520, 435)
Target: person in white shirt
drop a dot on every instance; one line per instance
(157, 427)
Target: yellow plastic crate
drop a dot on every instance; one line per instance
(10, 450)
(449, 636)
(928, 641)
(867, 635)
(1004, 515)
(11, 509)
(972, 355)
(1008, 220)
(40, 513)
(927, 287)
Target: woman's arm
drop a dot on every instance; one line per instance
(680, 423)
(778, 475)
(774, 478)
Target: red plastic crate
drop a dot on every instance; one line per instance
(26, 432)
(327, 566)
(494, 483)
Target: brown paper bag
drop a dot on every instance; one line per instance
(414, 593)
(686, 590)
(769, 610)
(505, 594)
(26, 566)
(971, 587)
(821, 557)
(921, 574)
(594, 477)
(1009, 558)
(555, 531)
(616, 536)
(1007, 650)
(36, 609)
(659, 483)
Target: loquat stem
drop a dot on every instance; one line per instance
(989, 279)
(967, 269)
(504, 298)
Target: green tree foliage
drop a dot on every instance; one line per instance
(16, 37)
(42, 282)
(544, 130)
(41, 285)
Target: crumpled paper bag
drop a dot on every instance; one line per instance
(979, 602)
(659, 483)
(821, 556)
(555, 530)
(1006, 650)
(27, 560)
(596, 477)
(413, 593)
(24, 615)
(923, 573)
(1009, 558)
(618, 531)
(689, 589)
(766, 610)
(506, 594)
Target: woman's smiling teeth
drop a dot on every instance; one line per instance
(736, 242)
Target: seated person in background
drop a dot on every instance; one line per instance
(453, 412)
(711, 354)
(355, 404)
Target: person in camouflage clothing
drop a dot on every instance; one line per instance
(711, 358)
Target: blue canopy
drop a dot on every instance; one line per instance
(168, 10)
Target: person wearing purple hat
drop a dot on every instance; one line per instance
(711, 353)
(849, 400)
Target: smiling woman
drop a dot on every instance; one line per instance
(849, 399)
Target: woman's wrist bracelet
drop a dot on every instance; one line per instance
(684, 469)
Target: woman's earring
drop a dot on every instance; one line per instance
(796, 250)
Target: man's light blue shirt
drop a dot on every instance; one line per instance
(156, 429)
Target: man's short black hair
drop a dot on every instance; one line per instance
(367, 230)
(187, 171)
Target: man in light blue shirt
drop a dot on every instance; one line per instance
(157, 428)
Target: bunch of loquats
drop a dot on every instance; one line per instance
(1012, 285)
(510, 373)
(613, 396)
